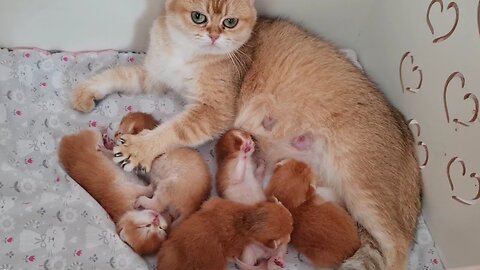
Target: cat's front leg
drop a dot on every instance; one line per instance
(126, 79)
(197, 125)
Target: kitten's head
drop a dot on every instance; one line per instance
(211, 26)
(270, 224)
(292, 183)
(231, 143)
(135, 122)
(143, 230)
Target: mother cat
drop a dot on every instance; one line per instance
(301, 99)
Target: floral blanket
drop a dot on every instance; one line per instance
(47, 221)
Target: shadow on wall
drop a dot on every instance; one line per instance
(143, 24)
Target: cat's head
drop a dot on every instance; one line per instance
(292, 183)
(143, 230)
(211, 26)
(269, 224)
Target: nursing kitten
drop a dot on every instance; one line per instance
(238, 176)
(84, 160)
(136, 122)
(324, 232)
(196, 50)
(220, 231)
(302, 99)
(180, 178)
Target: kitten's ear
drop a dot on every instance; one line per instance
(312, 189)
(122, 235)
(274, 199)
(252, 2)
(273, 244)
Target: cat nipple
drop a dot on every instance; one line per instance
(303, 142)
(268, 123)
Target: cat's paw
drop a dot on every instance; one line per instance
(83, 98)
(134, 152)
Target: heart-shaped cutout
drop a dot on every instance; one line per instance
(417, 132)
(474, 108)
(455, 182)
(411, 76)
(453, 27)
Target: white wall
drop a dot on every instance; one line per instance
(397, 27)
(123, 24)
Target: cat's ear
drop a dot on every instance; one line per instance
(252, 2)
(273, 199)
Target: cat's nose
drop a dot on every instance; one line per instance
(213, 37)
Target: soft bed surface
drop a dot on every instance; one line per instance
(47, 221)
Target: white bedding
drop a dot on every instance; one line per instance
(47, 221)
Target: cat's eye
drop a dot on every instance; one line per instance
(230, 22)
(148, 226)
(198, 17)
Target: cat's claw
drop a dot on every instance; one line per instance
(134, 153)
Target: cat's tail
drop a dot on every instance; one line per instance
(368, 257)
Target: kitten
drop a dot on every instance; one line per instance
(238, 177)
(180, 178)
(181, 182)
(135, 122)
(324, 232)
(302, 99)
(220, 231)
(196, 49)
(83, 159)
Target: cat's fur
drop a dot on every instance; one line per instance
(182, 56)
(357, 143)
(85, 161)
(238, 178)
(180, 178)
(220, 231)
(300, 98)
(324, 232)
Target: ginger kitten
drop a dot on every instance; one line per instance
(239, 178)
(324, 232)
(82, 156)
(180, 178)
(196, 49)
(302, 99)
(220, 231)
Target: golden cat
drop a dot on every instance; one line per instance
(302, 99)
(195, 49)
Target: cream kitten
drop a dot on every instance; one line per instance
(180, 178)
(302, 99)
(195, 49)
(238, 177)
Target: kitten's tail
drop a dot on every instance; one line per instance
(368, 257)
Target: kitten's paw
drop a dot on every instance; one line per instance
(248, 147)
(134, 152)
(142, 202)
(83, 98)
